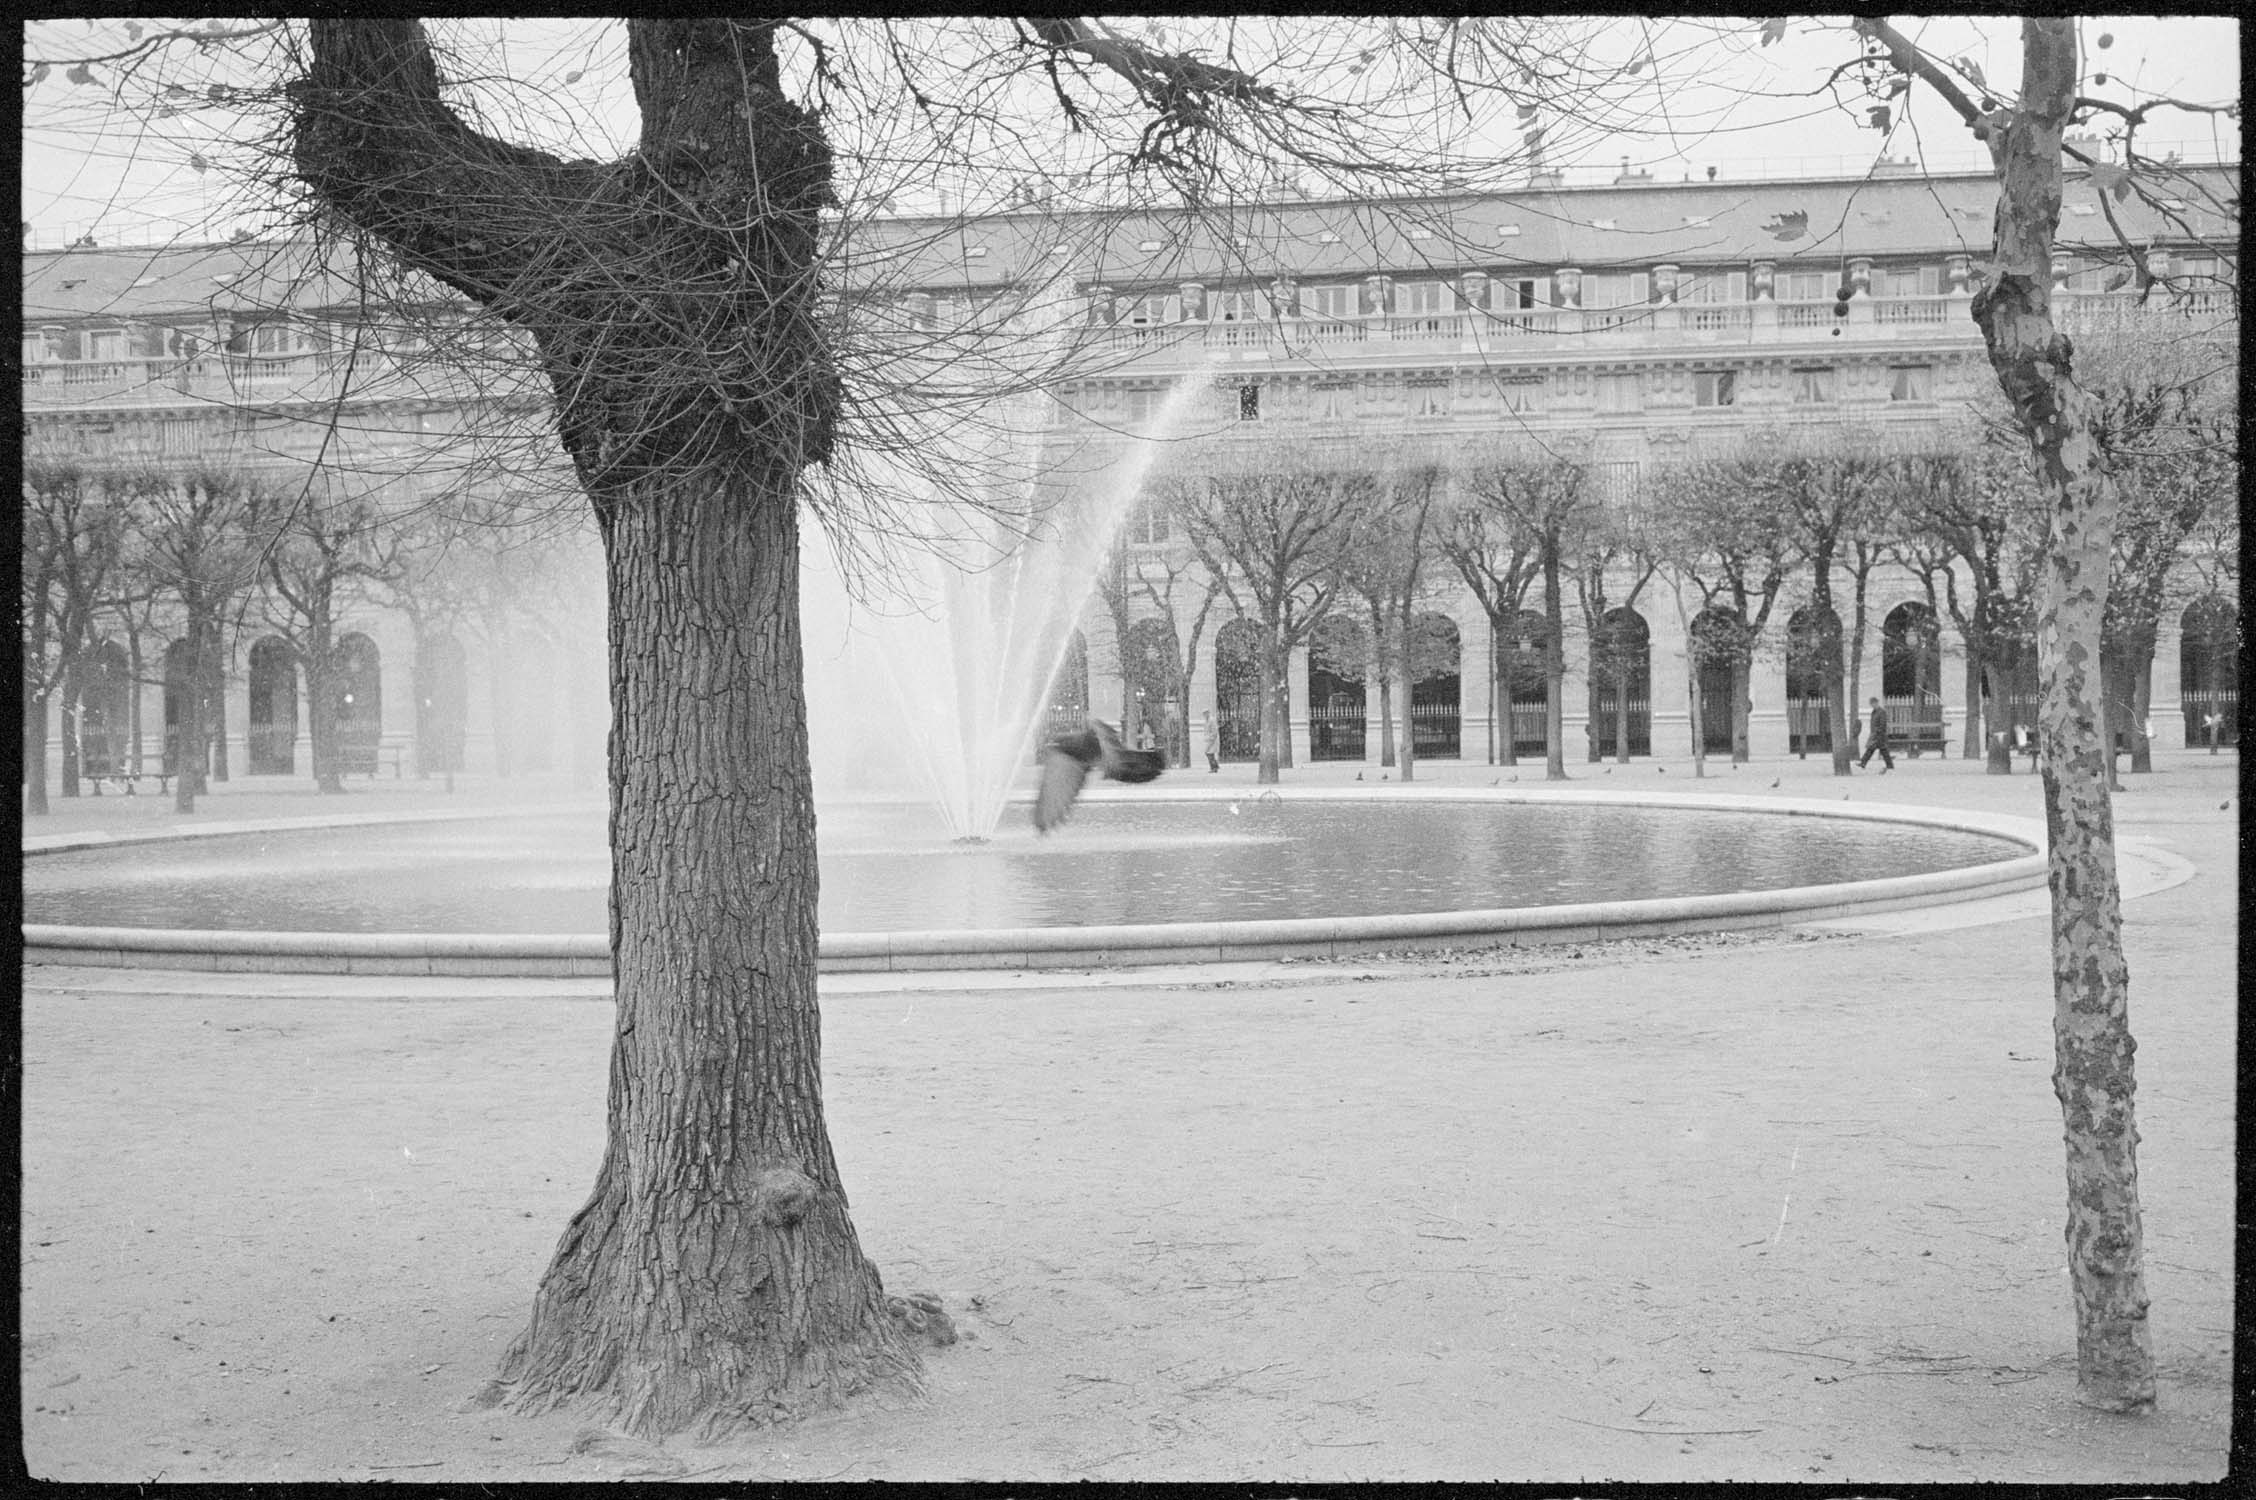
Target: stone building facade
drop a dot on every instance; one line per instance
(1646, 320)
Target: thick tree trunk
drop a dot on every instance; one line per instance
(1621, 712)
(2092, 1073)
(35, 755)
(2142, 707)
(72, 710)
(714, 1276)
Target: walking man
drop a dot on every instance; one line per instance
(1877, 739)
(1213, 743)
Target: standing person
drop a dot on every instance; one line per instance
(1213, 742)
(1877, 739)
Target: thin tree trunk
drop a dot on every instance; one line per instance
(714, 1276)
(188, 756)
(2092, 1074)
(1274, 722)
(2142, 706)
(1977, 730)
(1621, 710)
(1742, 704)
(1554, 667)
(35, 755)
(2001, 738)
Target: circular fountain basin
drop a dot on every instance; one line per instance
(1134, 878)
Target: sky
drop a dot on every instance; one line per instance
(98, 160)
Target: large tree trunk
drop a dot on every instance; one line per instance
(2092, 1073)
(714, 1275)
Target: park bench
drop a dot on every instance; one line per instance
(362, 760)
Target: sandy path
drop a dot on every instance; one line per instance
(1782, 1210)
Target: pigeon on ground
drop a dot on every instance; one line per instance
(1774, 781)
(1068, 760)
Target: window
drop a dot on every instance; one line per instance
(1813, 385)
(1906, 281)
(1240, 307)
(1911, 382)
(34, 348)
(1619, 480)
(105, 343)
(1807, 286)
(1524, 293)
(1149, 523)
(176, 436)
(1327, 301)
(1520, 394)
(1143, 311)
(1714, 387)
(1249, 403)
(1620, 390)
(1429, 398)
(1420, 298)
(1712, 286)
(1333, 402)
(1139, 404)
(1614, 290)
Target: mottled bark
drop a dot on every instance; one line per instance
(2001, 734)
(2092, 1074)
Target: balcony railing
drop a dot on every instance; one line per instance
(1914, 309)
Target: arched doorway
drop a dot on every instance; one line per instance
(273, 707)
(1911, 676)
(442, 702)
(1520, 683)
(1237, 689)
(1813, 652)
(1069, 690)
(1150, 671)
(2209, 672)
(105, 712)
(1436, 657)
(360, 704)
(1718, 646)
(1621, 684)
(1339, 656)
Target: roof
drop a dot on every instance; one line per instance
(1627, 225)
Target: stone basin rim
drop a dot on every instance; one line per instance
(588, 954)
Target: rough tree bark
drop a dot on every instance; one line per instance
(2093, 1048)
(713, 1276)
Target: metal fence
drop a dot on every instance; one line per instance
(2212, 717)
(1337, 731)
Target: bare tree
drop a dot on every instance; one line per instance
(2035, 367)
(1550, 499)
(74, 539)
(1386, 571)
(1615, 540)
(1499, 563)
(200, 538)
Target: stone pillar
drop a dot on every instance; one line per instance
(2165, 710)
(1953, 688)
(1671, 672)
(1766, 690)
(1476, 646)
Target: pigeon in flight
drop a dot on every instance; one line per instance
(1068, 760)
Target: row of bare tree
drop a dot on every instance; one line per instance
(207, 555)
(1285, 536)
